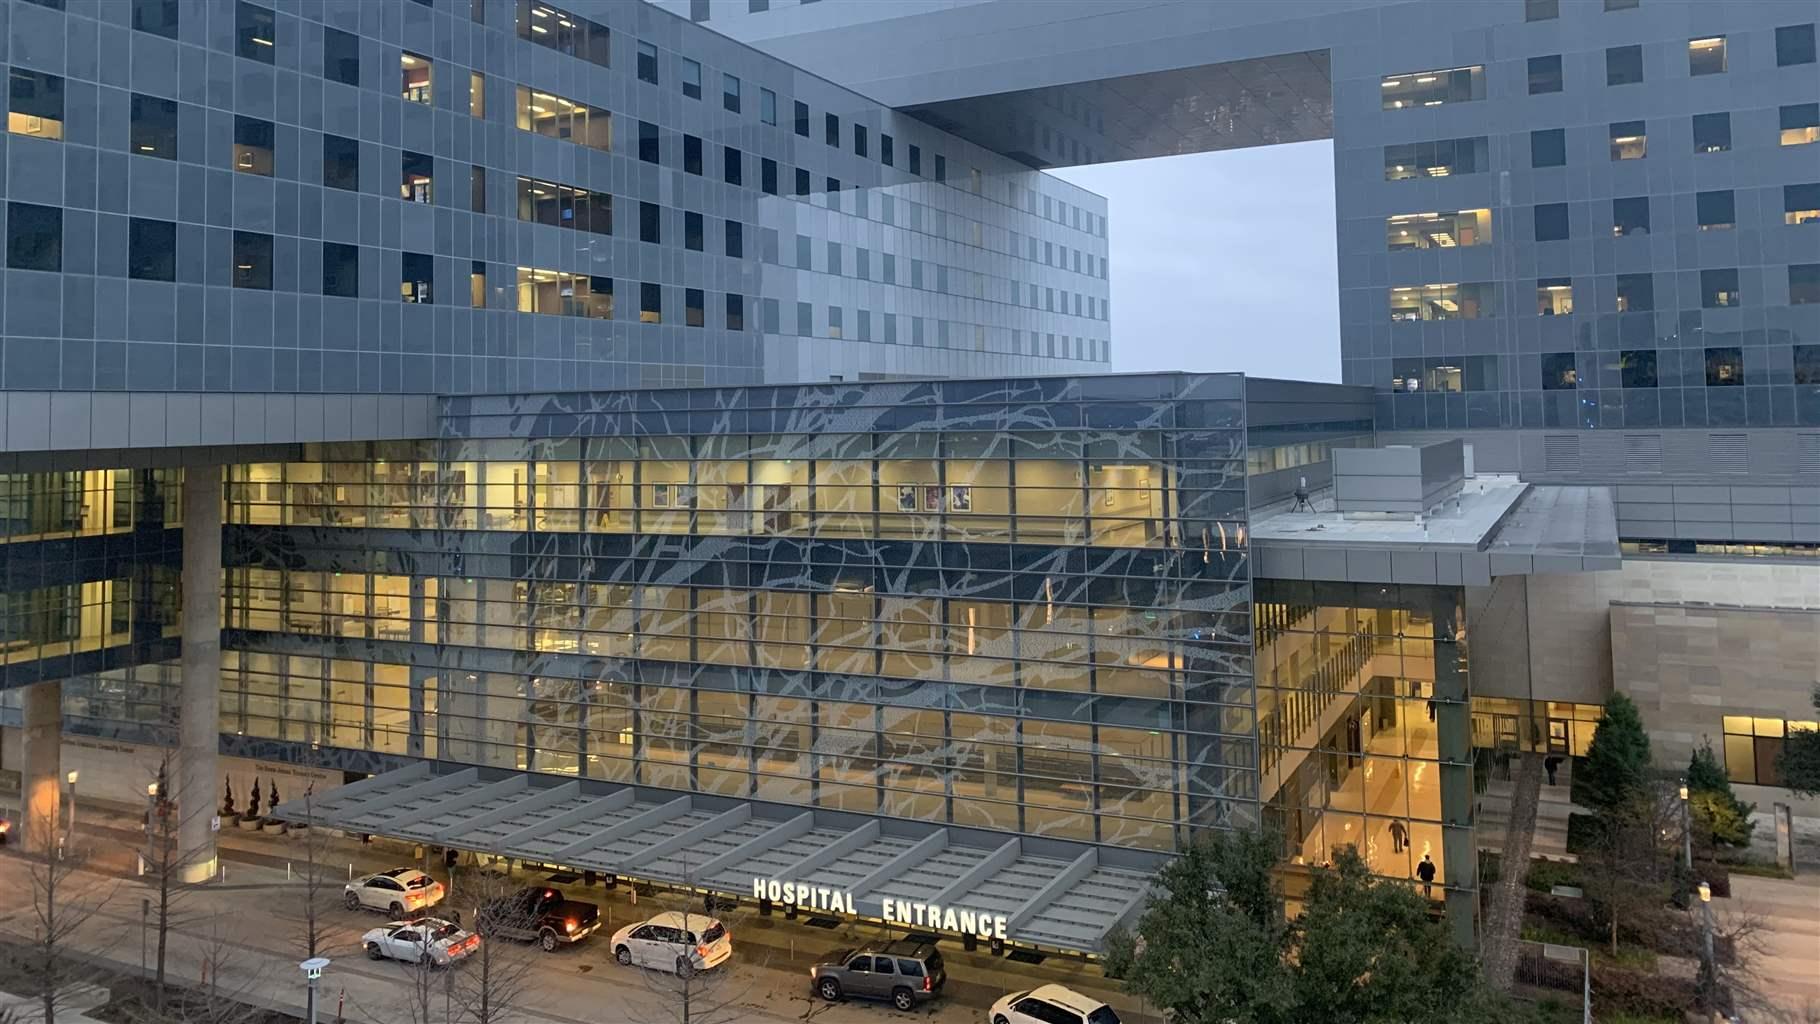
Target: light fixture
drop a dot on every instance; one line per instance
(1425, 79)
(540, 30)
(262, 42)
(1707, 43)
(72, 777)
(1706, 893)
(151, 789)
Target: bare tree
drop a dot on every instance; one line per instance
(168, 866)
(226, 986)
(1629, 859)
(489, 986)
(64, 898)
(316, 892)
(687, 995)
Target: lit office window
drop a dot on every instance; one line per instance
(1706, 56)
(1629, 140)
(34, 104)
(415, 76)
(154, 127)
(255, 32)
(650, 303)
(1800, 124)
(564, 32)
(1630, 216)
(1724, 367)
(253, 146)
(1753, 747)
(558, 205)
(1441, 230)
(1801, 204)
(418, 174)
(1442, 301)
(556, 117)
(1439, 159)
(1719, 289)
(477, 94)
(1433, 88)
(1559, 372)
(560, 293)
(417, 276)
(1554, 296)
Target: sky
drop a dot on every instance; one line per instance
(1223, 261)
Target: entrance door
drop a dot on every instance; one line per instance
(1557, 737)
(1506, 730)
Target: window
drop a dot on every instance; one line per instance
(1800, 124)
(767, 175)
(859, 140)
(650, 223)
(1630, 216)
(552, 116)
(340, 163)
(833, 193)
(560, 293)
(732, 162)
(1804, 290)
(1712, 133)
(1719, 289)
(415, 77)
(1551, 222)
(647, 66)
(1544, 74)
(1548, 147)
(695, 308)
(1753, 746)
(477, 285)
(1637, 368)
(834, 321)
(1438, 230)
(1554, 296)
(1794, 45)
(1433, 88)
(736, 239)
(1801, 204)
(418, 172)
(565, 33)
(690, 78)
(802, 118)
(1724, 367)
(805, 320)
(885, 147)
(1628, 140)
(253, 146)
(736, 312)
(916, 159)
(477, 188)
(1714, 210)
(1636, 293)
(692, 154)
(692, 231)
(154, 127)
(341, 270)
(1706, 56)
(650, 303)
(757, 6)
(941, 167)
(647, 142)
(252, 260)
(159, 17)
(1442, 301)
(1623, 65)
(255, 32)
(1621, 5)
(831, 129)
(477, 95)
(340, 56)
(1439, 159)
(559, 205)
(151, 250)
(34, 104)
(1451, 374)
(802, 181)
(417, 276)
(1541, 10)
(729, 93)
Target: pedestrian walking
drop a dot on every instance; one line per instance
(1549, 764)
(1399, 836)
(1426, 872)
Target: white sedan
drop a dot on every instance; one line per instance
(680, 943)
(426, 941)
(397, 892)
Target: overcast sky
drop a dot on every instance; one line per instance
(1223, 261)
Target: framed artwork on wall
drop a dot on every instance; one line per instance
(906, 497)
(932, 499)
(660, 495)
(960, 499)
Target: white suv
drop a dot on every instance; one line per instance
(683, 943)
(397, 892)
(1051, 1004)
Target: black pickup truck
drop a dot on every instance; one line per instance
(539, 913)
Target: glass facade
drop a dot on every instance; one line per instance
(1016, 605)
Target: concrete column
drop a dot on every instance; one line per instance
(41, 767)
(199, 717)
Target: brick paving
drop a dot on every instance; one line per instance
(1504, 917)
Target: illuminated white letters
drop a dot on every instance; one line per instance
(806, 895)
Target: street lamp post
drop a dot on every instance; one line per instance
(1687, 830)
(1706, 941)
(312, 973)
(69, 835)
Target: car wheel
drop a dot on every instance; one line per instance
(547, 940)
(373, 952)
(623, 955)
(685, 968)
(903, 999)
(999, 1018)
(350, 901)
(396, 910)
(829, 989)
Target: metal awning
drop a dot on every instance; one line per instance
(1055, 894)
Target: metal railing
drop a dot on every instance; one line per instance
(1547, 971)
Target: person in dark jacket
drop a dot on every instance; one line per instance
(1549, 764)
(1426, 872)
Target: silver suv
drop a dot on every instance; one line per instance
(906, 973)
